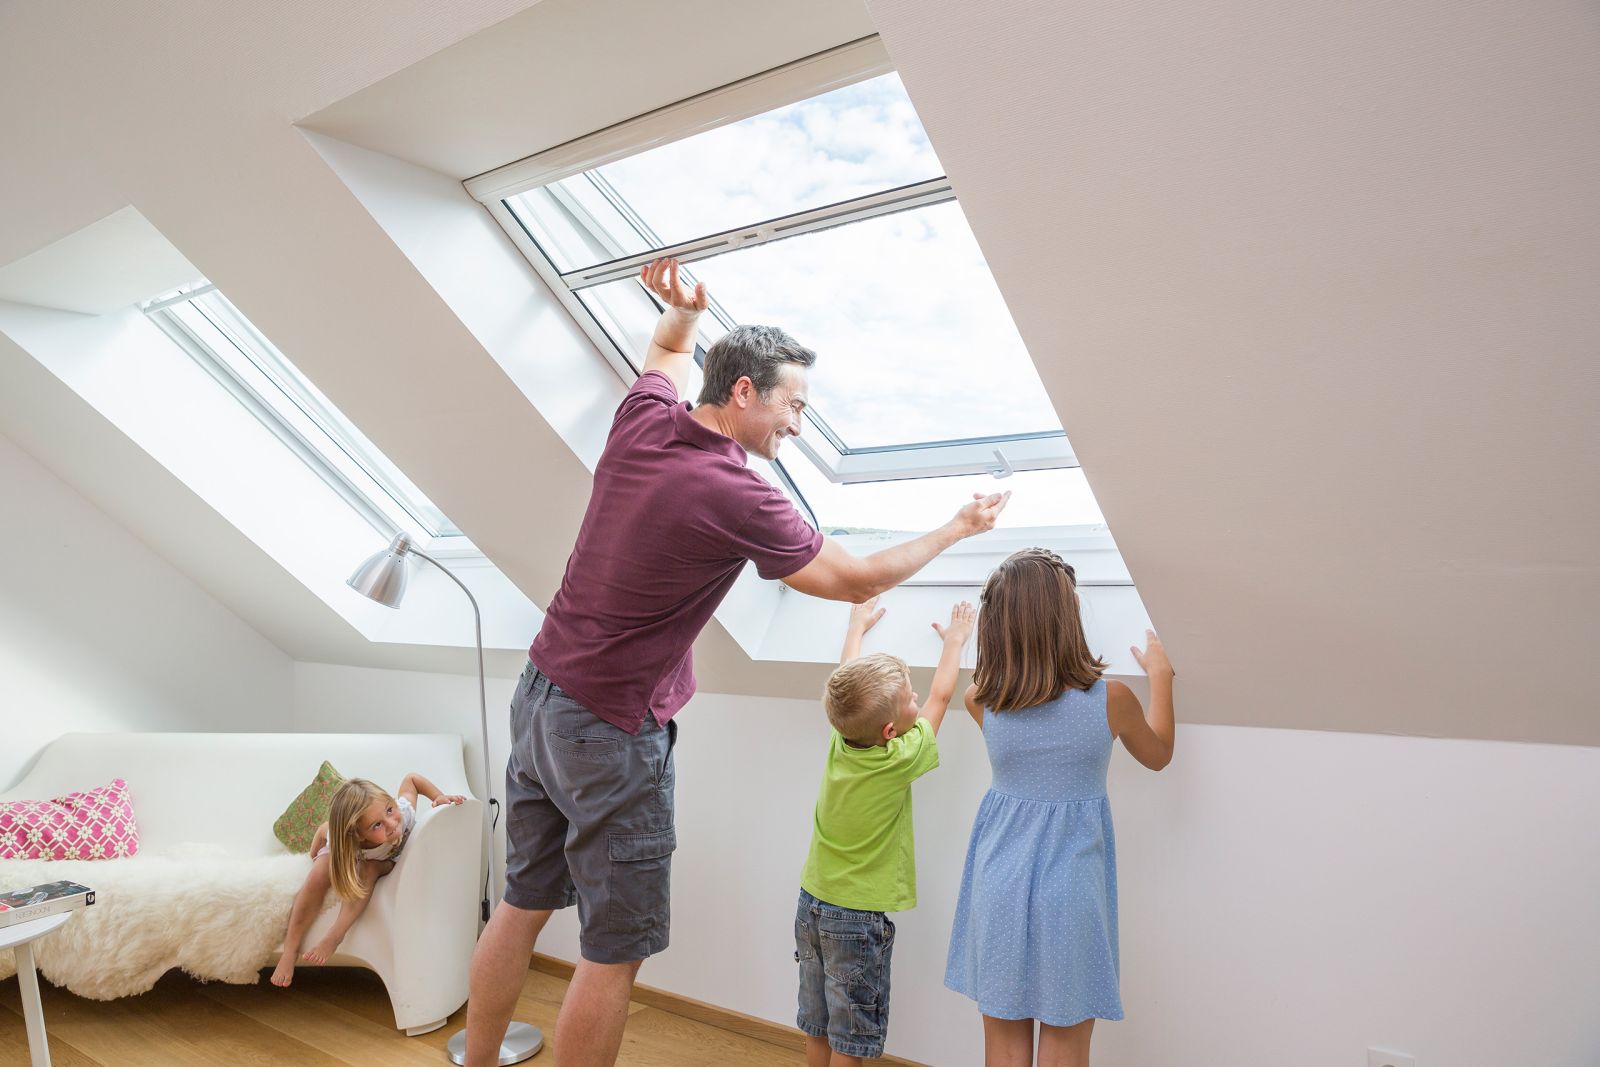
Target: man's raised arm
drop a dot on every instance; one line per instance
(672, 345)
(835, 574)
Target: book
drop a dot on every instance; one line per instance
(38, 901)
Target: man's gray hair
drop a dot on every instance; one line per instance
(754, 352)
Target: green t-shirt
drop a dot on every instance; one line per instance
(863, 851)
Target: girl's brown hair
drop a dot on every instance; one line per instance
(1031, 646)
(345, 816)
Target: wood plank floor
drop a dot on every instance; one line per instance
(327, 1018)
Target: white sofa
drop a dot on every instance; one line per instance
(210, 888)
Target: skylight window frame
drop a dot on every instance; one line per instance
(998, 455)
(306, 425)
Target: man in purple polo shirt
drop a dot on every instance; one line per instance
(674, 514)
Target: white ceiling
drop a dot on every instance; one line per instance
(1311, 288)
(118, 261)
(566, 68)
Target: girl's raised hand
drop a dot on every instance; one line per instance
(448, 798)
(1154, 657)
(962, 618)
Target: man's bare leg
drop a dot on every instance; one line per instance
(593, 1013)
(818, 1054)
(499, 969)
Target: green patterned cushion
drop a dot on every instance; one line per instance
(298, 824)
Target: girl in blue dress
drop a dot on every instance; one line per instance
(1035, 938)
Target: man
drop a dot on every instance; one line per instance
(674, 514)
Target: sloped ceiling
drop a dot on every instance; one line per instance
(1312, 290)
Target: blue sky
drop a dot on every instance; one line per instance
(913, 338)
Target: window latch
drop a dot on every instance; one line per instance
(1001, 467)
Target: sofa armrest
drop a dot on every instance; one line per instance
(438, 884)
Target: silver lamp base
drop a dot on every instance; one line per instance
(521, 1042)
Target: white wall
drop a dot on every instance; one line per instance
(1287, 896)
(331, 698)
(98, 632)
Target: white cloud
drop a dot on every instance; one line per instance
(914, 340)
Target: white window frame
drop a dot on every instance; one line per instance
(240, 358)
(967, 564)
(998, 455)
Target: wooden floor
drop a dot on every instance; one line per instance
(328, 1017)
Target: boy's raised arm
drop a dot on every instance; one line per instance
(955, 635)
(863, 617)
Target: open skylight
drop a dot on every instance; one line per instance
(832, 218)
(242, 360)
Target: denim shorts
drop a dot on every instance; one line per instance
(589, 821)
(844, 975)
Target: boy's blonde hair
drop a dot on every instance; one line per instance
(863, 694)
(345, 812)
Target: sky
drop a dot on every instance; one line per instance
(913, 338)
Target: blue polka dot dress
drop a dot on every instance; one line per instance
(1036, 924)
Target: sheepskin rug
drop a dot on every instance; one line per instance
(218, 916)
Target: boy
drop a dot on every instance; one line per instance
(862, 860)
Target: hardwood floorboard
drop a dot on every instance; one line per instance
(109, 1031)
(662, 1039)
(345, 1036)
(14, 1045)
(330, 1017)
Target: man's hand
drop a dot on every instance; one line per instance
(671, 348)
(865, 616)
(980, 515)
(962, 619)
(661, 278)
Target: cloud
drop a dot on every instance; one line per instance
(914, 340)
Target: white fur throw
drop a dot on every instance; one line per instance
(216, 915)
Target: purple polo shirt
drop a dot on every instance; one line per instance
(674, 515)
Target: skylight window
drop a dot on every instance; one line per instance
(832, 218)
(214, 333)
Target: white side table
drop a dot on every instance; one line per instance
(19, 939)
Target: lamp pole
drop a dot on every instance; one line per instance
(382, 578)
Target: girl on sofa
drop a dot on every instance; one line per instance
(371, 827)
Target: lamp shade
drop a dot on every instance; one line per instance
(383, 576)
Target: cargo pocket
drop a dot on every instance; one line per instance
(640, 881)
(867, 1010)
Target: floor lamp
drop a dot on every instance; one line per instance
(383, 578)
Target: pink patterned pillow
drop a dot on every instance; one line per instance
(95, 825)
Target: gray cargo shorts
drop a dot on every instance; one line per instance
(589, 820)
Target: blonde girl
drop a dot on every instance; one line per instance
(365, 831)
(1035, 938)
